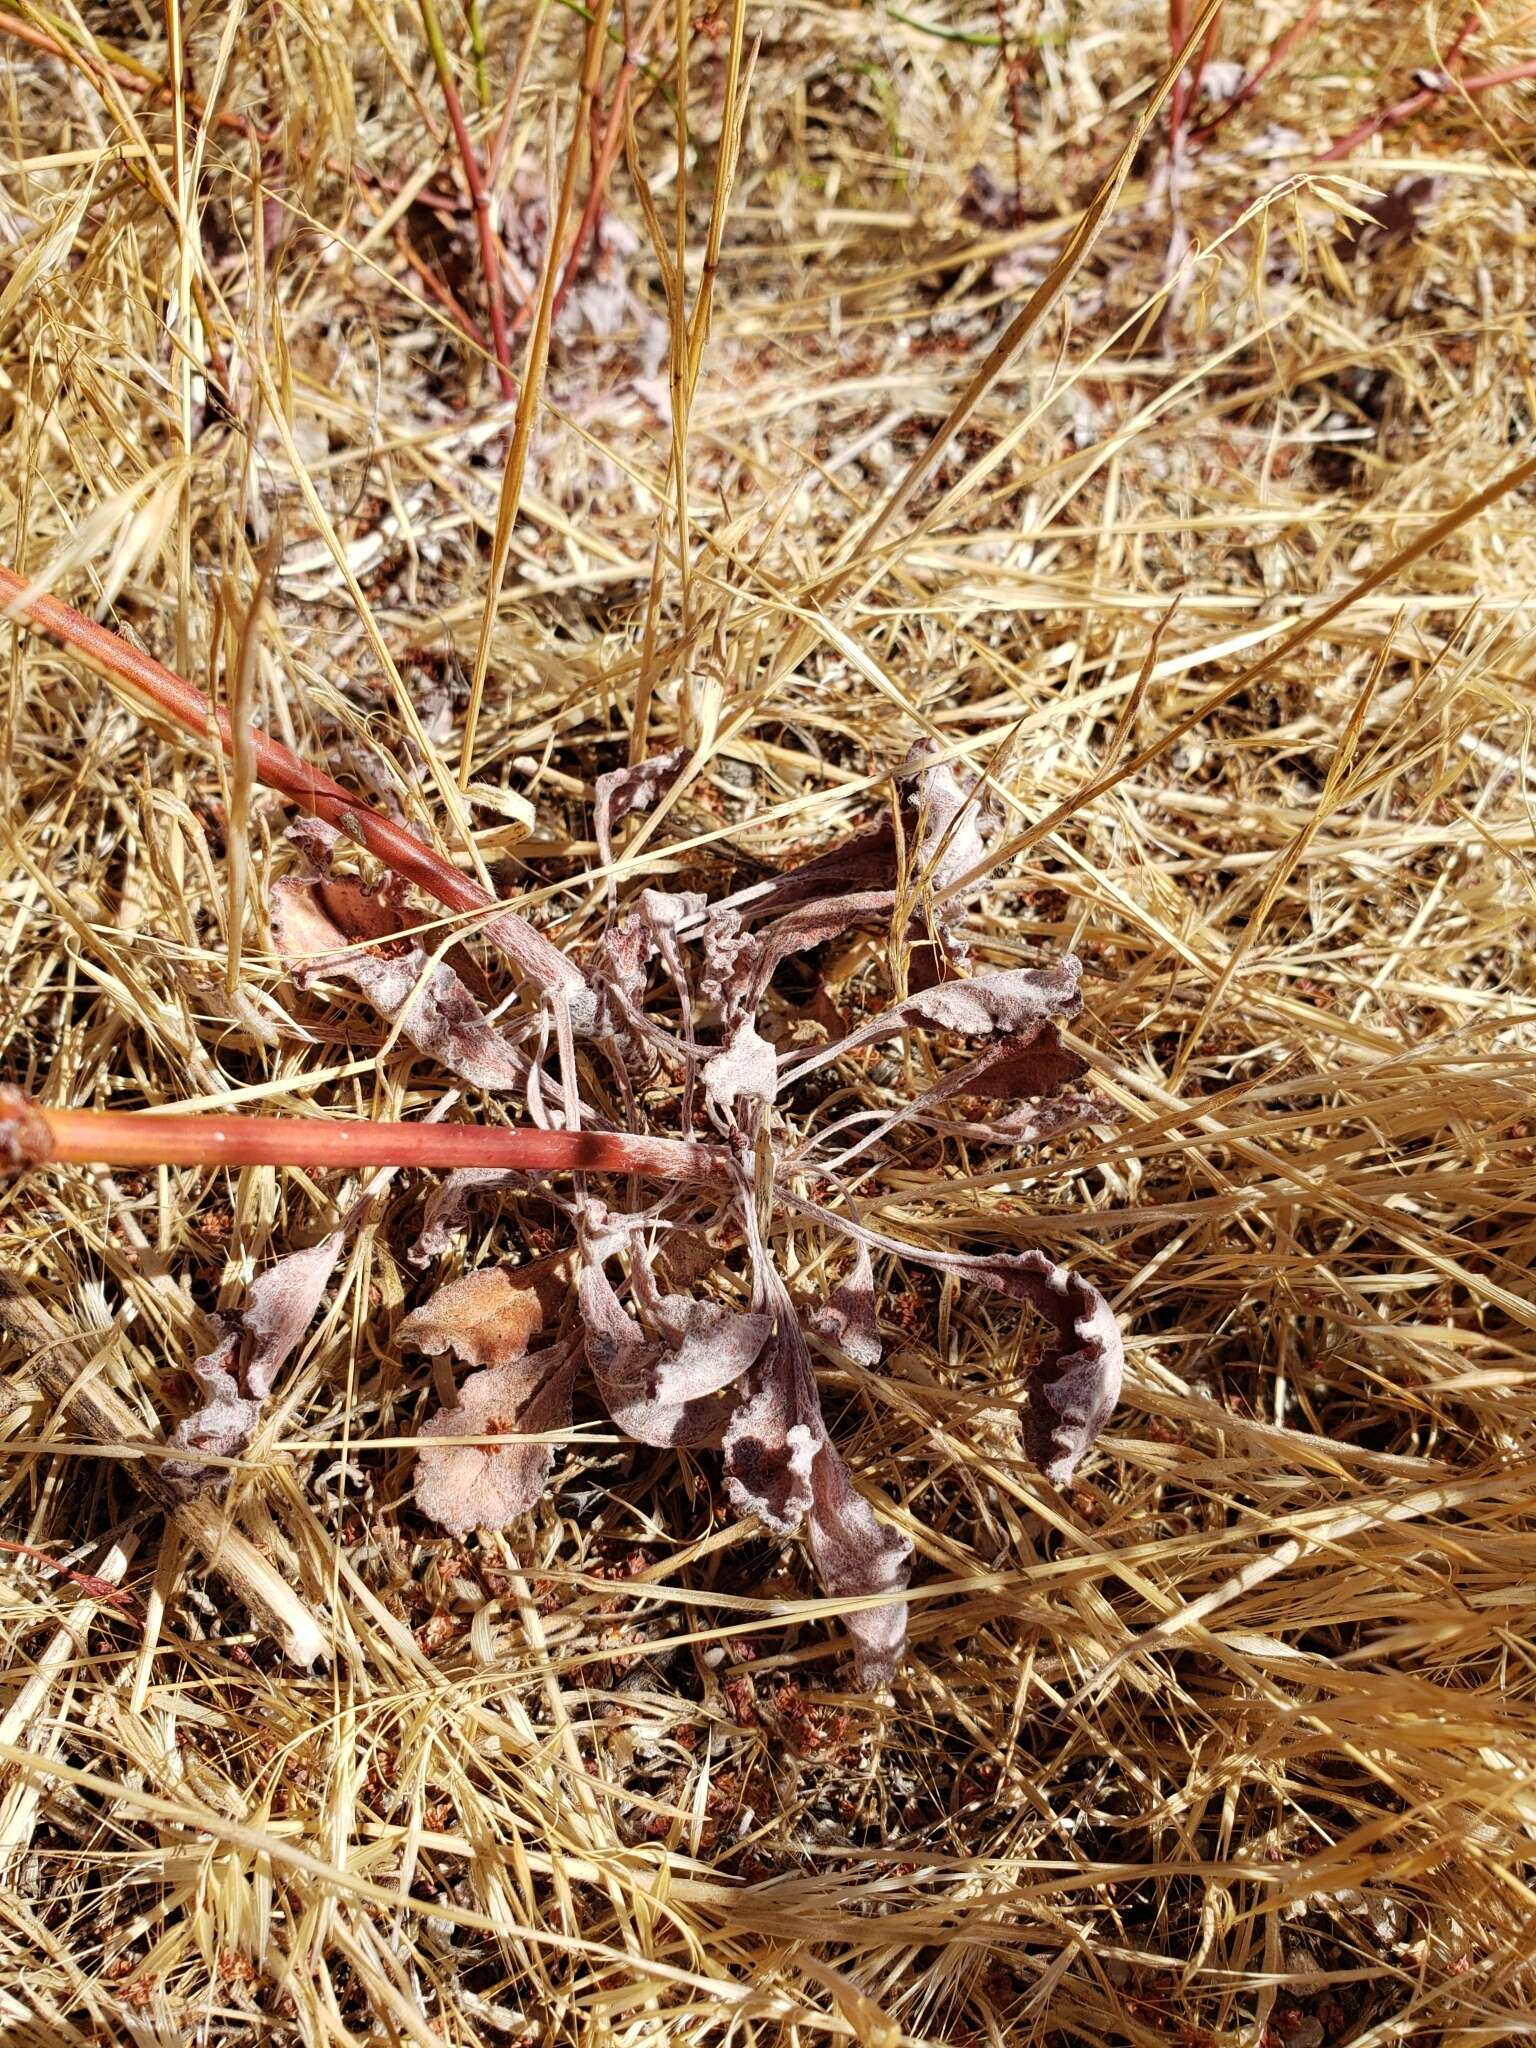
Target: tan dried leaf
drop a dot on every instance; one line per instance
(466, 1486)
(489, 1317)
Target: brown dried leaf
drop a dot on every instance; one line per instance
(1396, 217)
(489, 1317)
(1013, 1000)
(1074, 1386)
(334, 929)
(485, 1486)
(780, 1465)
(623, 790)
(1031, 1063)
(237, 1374)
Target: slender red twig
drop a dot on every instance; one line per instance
(1393, 117)
(33, 1136)
(605, 156)
(1178, 99)
(140, 80)
(431, 282)
(480, 199)
(280, 769)
(1280, 49)
(88, 1582)
(1202, 58)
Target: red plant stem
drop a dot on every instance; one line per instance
(1178, 103)
(280, 769)
(602, 170)
(480, 199)
(1279, 51)
(30, 1136)
(1393, 117)
(88, 1582)
(432, 283)
(1202, 58)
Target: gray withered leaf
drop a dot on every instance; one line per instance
(662, 1388)
(1011, 1000)
(856, 1554)
(623, 790)
(746, 1069)
(486, 1485)
(1393, 218)
(1031, 1063)
(236, 1375)
(447, 1210)
(950, 824)
(1027, 1063)
(621, 960)
(847, 1318)
(1075, 1384)
(780, 1465)
(333, 929)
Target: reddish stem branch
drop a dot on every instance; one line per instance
(480, 199)
(1393, 117)
(31, 1136)
(605, 156)
(432, 283)
(88, 1582)
(1178, 100)
(280, 769)
(1279, 51)
(145, 83)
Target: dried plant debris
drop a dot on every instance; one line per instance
(329, 927)
(684, 995)
(236, 1376)
(1386, 223)
(499, 1474)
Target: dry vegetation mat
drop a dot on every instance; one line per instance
(767, 1053)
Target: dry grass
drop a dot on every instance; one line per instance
(1236, 1743)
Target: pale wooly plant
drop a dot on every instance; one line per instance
(680, 986)
(651, 1059)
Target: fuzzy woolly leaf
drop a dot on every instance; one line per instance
(335, 931)
(236, 1375)
(780, 1465)
(486, 1486)
(662, 1390)
(488, 1317)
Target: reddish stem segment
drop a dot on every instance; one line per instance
(282, 770)
(1279, 51)
(145, 82)
(480, 199)
(604, 156)
(30, 1136)
(1393, 117)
